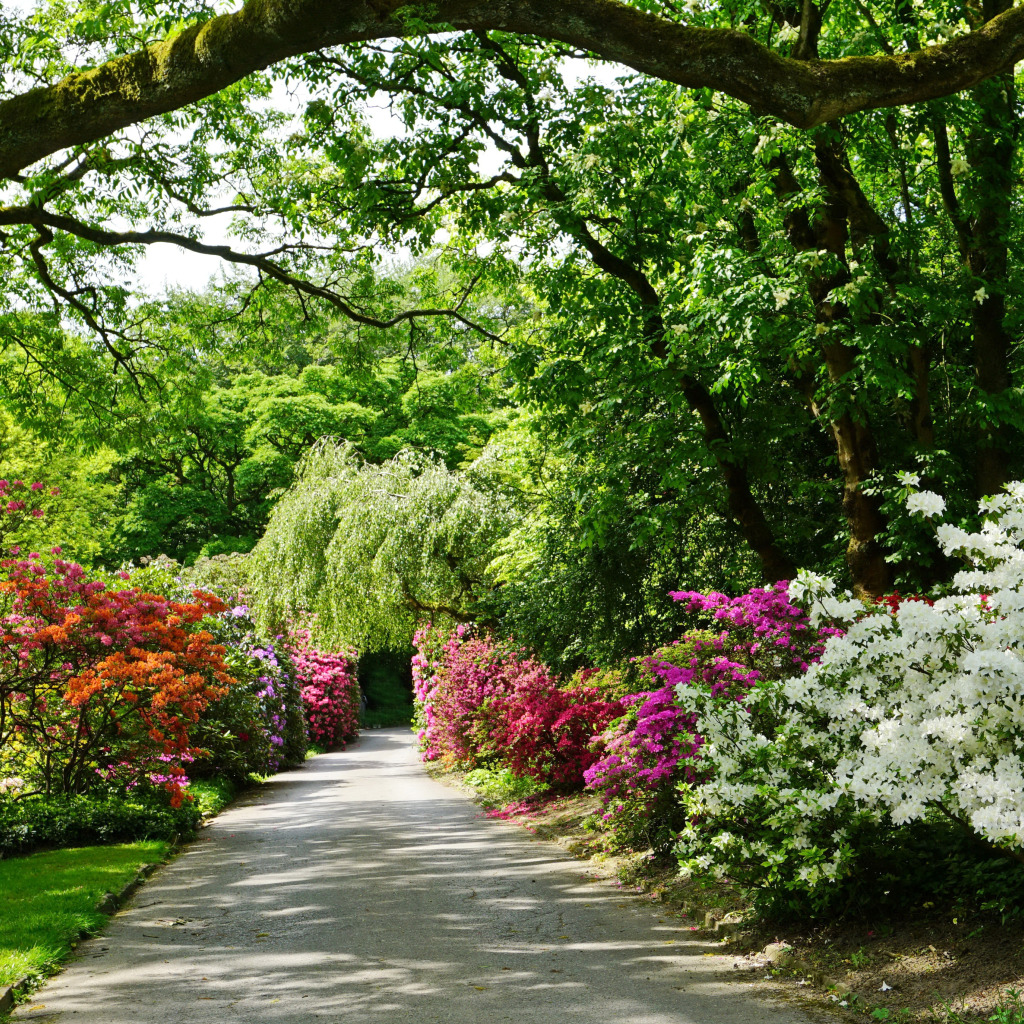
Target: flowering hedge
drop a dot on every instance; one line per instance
(913, 714)
(480, 701)
(658, 743)
(108, 687)
(261, 728)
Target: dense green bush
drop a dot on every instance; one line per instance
(36, 822)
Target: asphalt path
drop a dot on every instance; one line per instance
(358, 889)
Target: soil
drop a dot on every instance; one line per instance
(933, 968)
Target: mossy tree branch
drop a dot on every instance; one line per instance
(203, 59)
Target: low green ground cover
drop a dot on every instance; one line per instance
(48, 899)
(40, 823)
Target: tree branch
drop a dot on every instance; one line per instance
(46, 222)
(203, 59)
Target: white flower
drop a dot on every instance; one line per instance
(788, 34)
(885, 987)
(927, 503)
(908, 479)
(959, 167)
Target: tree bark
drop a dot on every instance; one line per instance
(991, 149)
(856, 451)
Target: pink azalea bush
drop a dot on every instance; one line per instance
(330, 691)
(760, 635)
(480, 702)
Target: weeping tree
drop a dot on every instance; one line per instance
(373, 551)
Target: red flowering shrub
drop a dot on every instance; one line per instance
(895, 599)
(545, 732)
(100, 685)
(330, 692)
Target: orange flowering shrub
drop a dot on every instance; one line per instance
(100, 685)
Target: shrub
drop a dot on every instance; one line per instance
(100, 685)
(62, 821)
(481, 703)
(454, 676)
(330, 691)
(544, 732)
(264, 730)
(657, 745)
(912, 715)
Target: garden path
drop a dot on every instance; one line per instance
(358, 889)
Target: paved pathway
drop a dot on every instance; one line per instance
(357, 889)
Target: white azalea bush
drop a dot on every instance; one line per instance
(915, 713)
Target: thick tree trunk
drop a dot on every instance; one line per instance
(991, 149)
(856, 450)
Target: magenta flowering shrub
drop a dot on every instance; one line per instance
(455, 676)
(656, 745)
(330, 691)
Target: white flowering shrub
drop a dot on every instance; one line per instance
(914, 713)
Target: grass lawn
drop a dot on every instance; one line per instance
(46, 899)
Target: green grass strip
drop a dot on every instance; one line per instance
(47, 899)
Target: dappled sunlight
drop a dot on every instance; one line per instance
(358, 889)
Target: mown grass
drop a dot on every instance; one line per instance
(48, 899)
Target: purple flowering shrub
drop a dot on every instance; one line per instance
(262, 729)
(656, 744)
(330, 692)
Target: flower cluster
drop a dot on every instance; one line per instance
(262, 728)
(20, 502)
(97, 682)
(658, 743)
(914, 710)
(480, 701)
(330, 691)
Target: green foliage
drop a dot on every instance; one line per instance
(211, 795)
(36, 822)
(500, 786)
(80, 518)
(371, 550)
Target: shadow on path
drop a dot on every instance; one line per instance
(358, 889)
